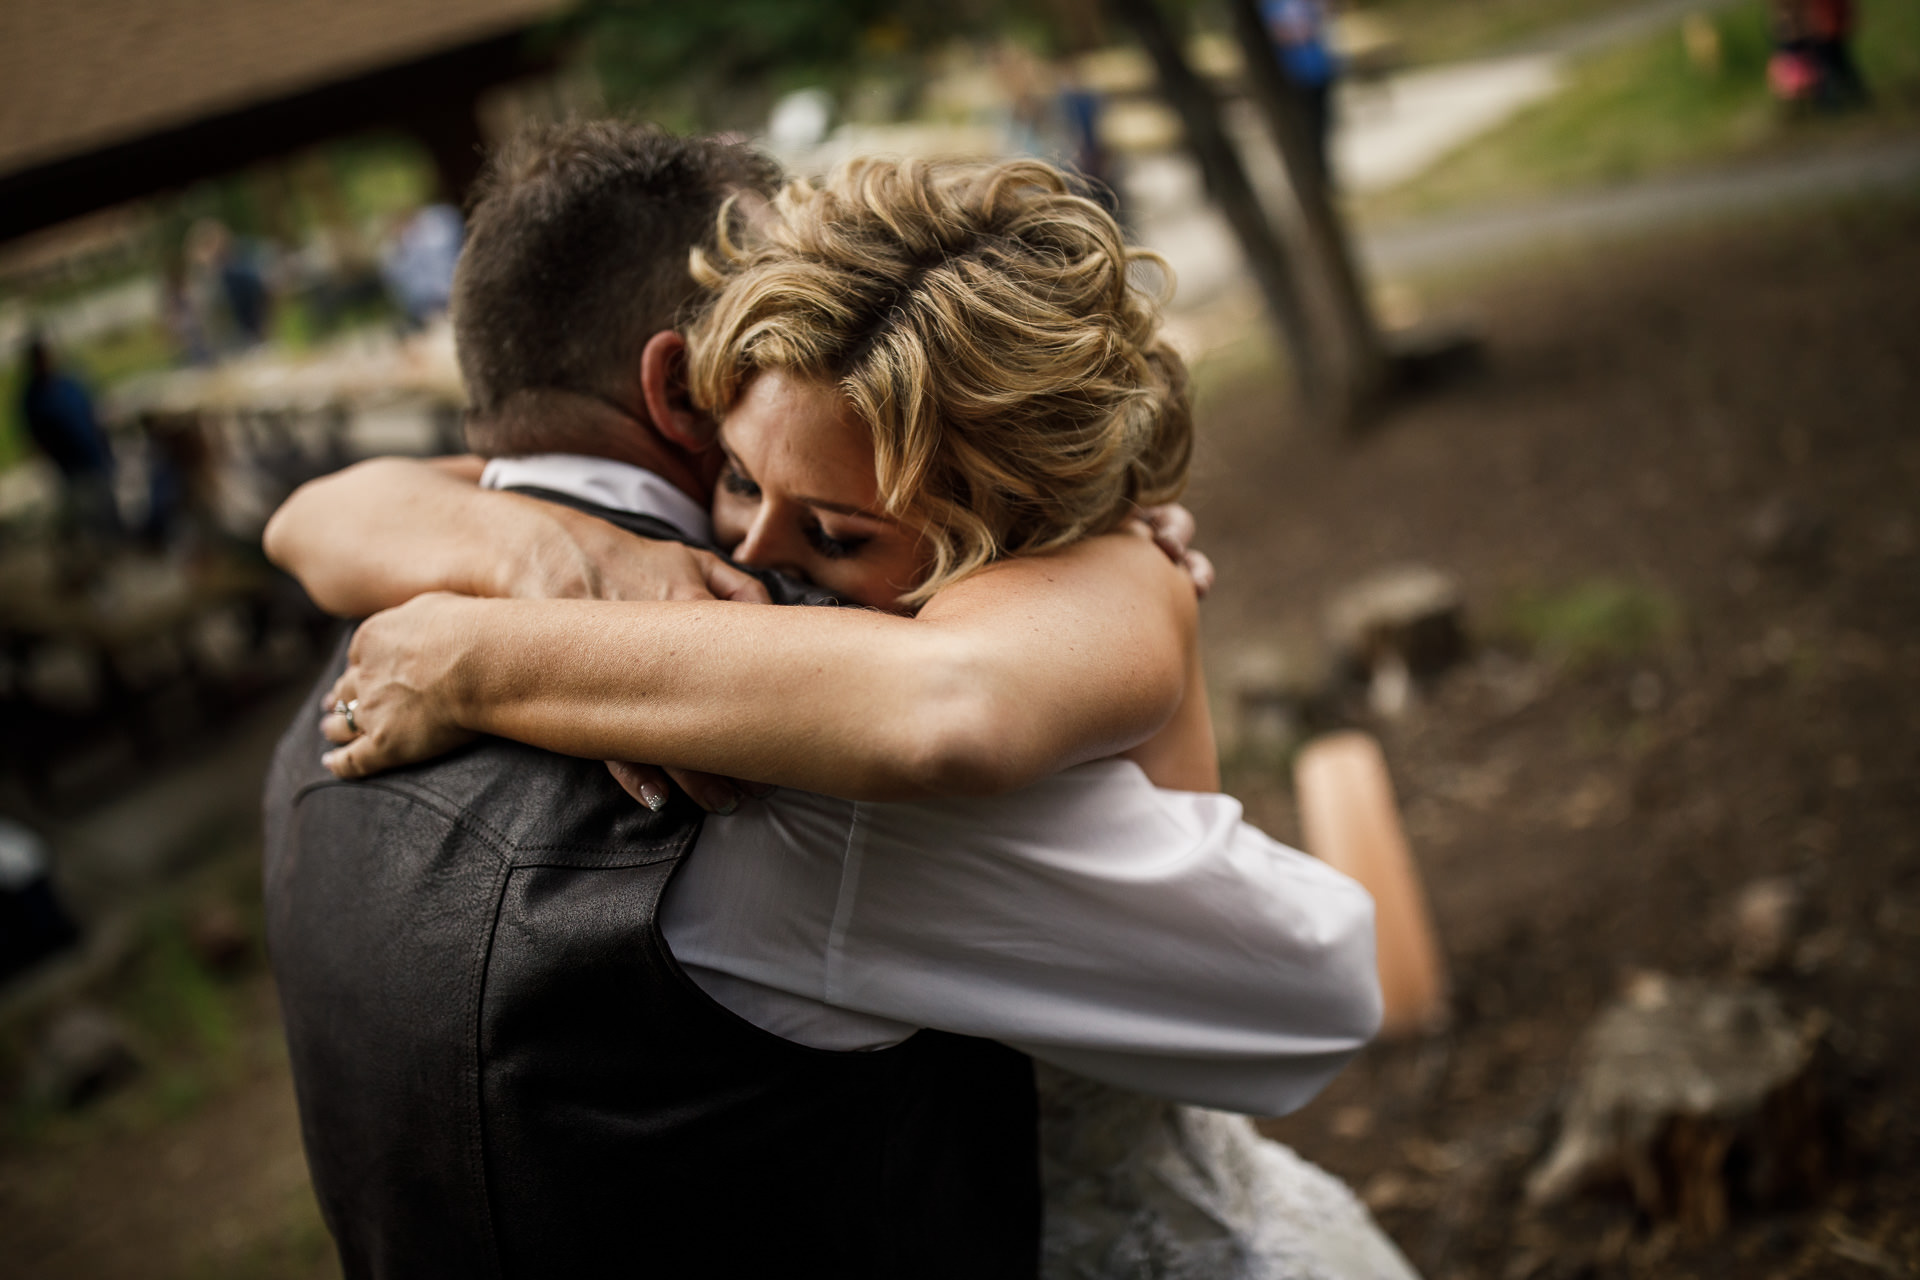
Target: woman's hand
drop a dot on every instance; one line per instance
(398, 702)
(716, 793)
(1172, 527)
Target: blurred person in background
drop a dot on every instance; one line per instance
(1813, 55)
(61, 423)
(1053, 115)
(183, 315)
(1830, 26)
(1304, 45)
(417, 263)
(1086, 151)
(226, 287)
(181, 482)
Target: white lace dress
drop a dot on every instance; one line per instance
(1141, 1189)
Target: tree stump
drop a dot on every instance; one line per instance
(1279, 696)
(1697, 1095)
(1394, 627)
(83, 1054)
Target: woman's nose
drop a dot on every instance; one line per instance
(764, 546)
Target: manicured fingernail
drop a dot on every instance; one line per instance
(327, 757)
(726, 810)
(656, 798)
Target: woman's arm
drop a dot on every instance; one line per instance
(381, 532)
(1021, 670)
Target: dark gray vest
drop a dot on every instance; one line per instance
(502, 1071)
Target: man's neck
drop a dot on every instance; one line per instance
(549, 420)
(602, 484)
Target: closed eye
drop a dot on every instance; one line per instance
(831, 547)
(735, 481)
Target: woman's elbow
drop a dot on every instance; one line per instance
(278, 537)
(1352, 973)
(971, 744)
(304, 517)
(289, 543)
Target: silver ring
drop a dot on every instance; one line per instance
(346, 709)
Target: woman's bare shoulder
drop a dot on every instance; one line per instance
(1117, 570)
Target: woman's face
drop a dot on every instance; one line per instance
(798, 494)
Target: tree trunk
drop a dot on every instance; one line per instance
(1358, 370)
(1207, 136)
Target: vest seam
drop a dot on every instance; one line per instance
(495, 840)
(476, 1005)
(503, 846)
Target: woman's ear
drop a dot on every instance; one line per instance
(663, 384)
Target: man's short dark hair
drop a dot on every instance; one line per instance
(576, 254)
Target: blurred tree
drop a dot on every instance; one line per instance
(1219, 160)
(718, 64)
(1347, 342)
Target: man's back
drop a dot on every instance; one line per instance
(502, 1070)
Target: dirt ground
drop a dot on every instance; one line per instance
(193, 1170)
(1578, 817)
(1578, 820)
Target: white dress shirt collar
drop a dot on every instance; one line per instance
(620, 486)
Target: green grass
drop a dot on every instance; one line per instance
(1447, 30)
(189, 1026)
(1650, 108)
(1589, 623)
(13, 427)
(1888, 50)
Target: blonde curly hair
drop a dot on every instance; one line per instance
(984, 321)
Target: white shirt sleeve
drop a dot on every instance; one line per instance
(1147, 938)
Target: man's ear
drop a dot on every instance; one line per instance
(663, 383)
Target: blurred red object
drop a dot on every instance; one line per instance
(1792, 76)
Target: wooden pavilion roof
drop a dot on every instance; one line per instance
(80, 75)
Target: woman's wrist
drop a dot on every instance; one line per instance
(464, 681)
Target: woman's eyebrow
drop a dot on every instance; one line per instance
(838, 508)
(846, 509)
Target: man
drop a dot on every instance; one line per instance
(60, 421)
(531, 1036)
(1303, 44)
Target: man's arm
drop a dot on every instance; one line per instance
(381, 532)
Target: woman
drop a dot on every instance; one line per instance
(936, 384)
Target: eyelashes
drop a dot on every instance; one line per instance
(737, 484)
(831, 547)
